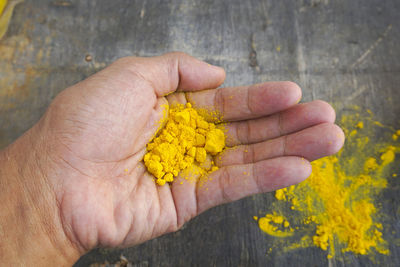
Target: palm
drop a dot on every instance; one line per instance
(106, 196)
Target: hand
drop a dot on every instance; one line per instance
(90, 143)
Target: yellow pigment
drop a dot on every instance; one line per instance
(336, 208)
(5, 14)
(186, 140)
(275, 225)
(3, 4)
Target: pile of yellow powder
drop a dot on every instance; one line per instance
(339, 200)
(186, 139)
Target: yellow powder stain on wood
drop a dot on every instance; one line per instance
(186, 140)
(360, 125)
(339, 198)
(275, 225)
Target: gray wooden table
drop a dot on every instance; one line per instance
(345, 52)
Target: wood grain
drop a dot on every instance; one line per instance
(344, 52)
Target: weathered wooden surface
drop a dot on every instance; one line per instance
(345, 52)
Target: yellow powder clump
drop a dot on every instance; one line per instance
(275, 225)
(186, 139)
(337, 204)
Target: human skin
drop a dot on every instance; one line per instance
(76, 180)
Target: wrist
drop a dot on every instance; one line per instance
(31, 230)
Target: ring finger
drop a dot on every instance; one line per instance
(311, 143)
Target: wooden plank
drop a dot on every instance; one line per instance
(345, 52)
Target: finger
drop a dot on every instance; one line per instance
(235, 182)
(312, 143)
(247, 102)
(173, 71)
(291, 120)
(184, 194)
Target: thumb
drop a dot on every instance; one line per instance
(174, 71)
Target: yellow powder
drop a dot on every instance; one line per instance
(360, 125)
(6, 13)
(388, 156)
(335, 209)
(275, 225)
(186, 139)
(3, 4)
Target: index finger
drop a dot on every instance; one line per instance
(246, 102)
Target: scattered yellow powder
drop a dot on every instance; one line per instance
(275, 225)
(186, 139)
(370, 164)
(337, 203)
(353, 133)
(388, 156)
(396, 135)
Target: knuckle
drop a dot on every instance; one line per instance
(176, 54)
(248, 154)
